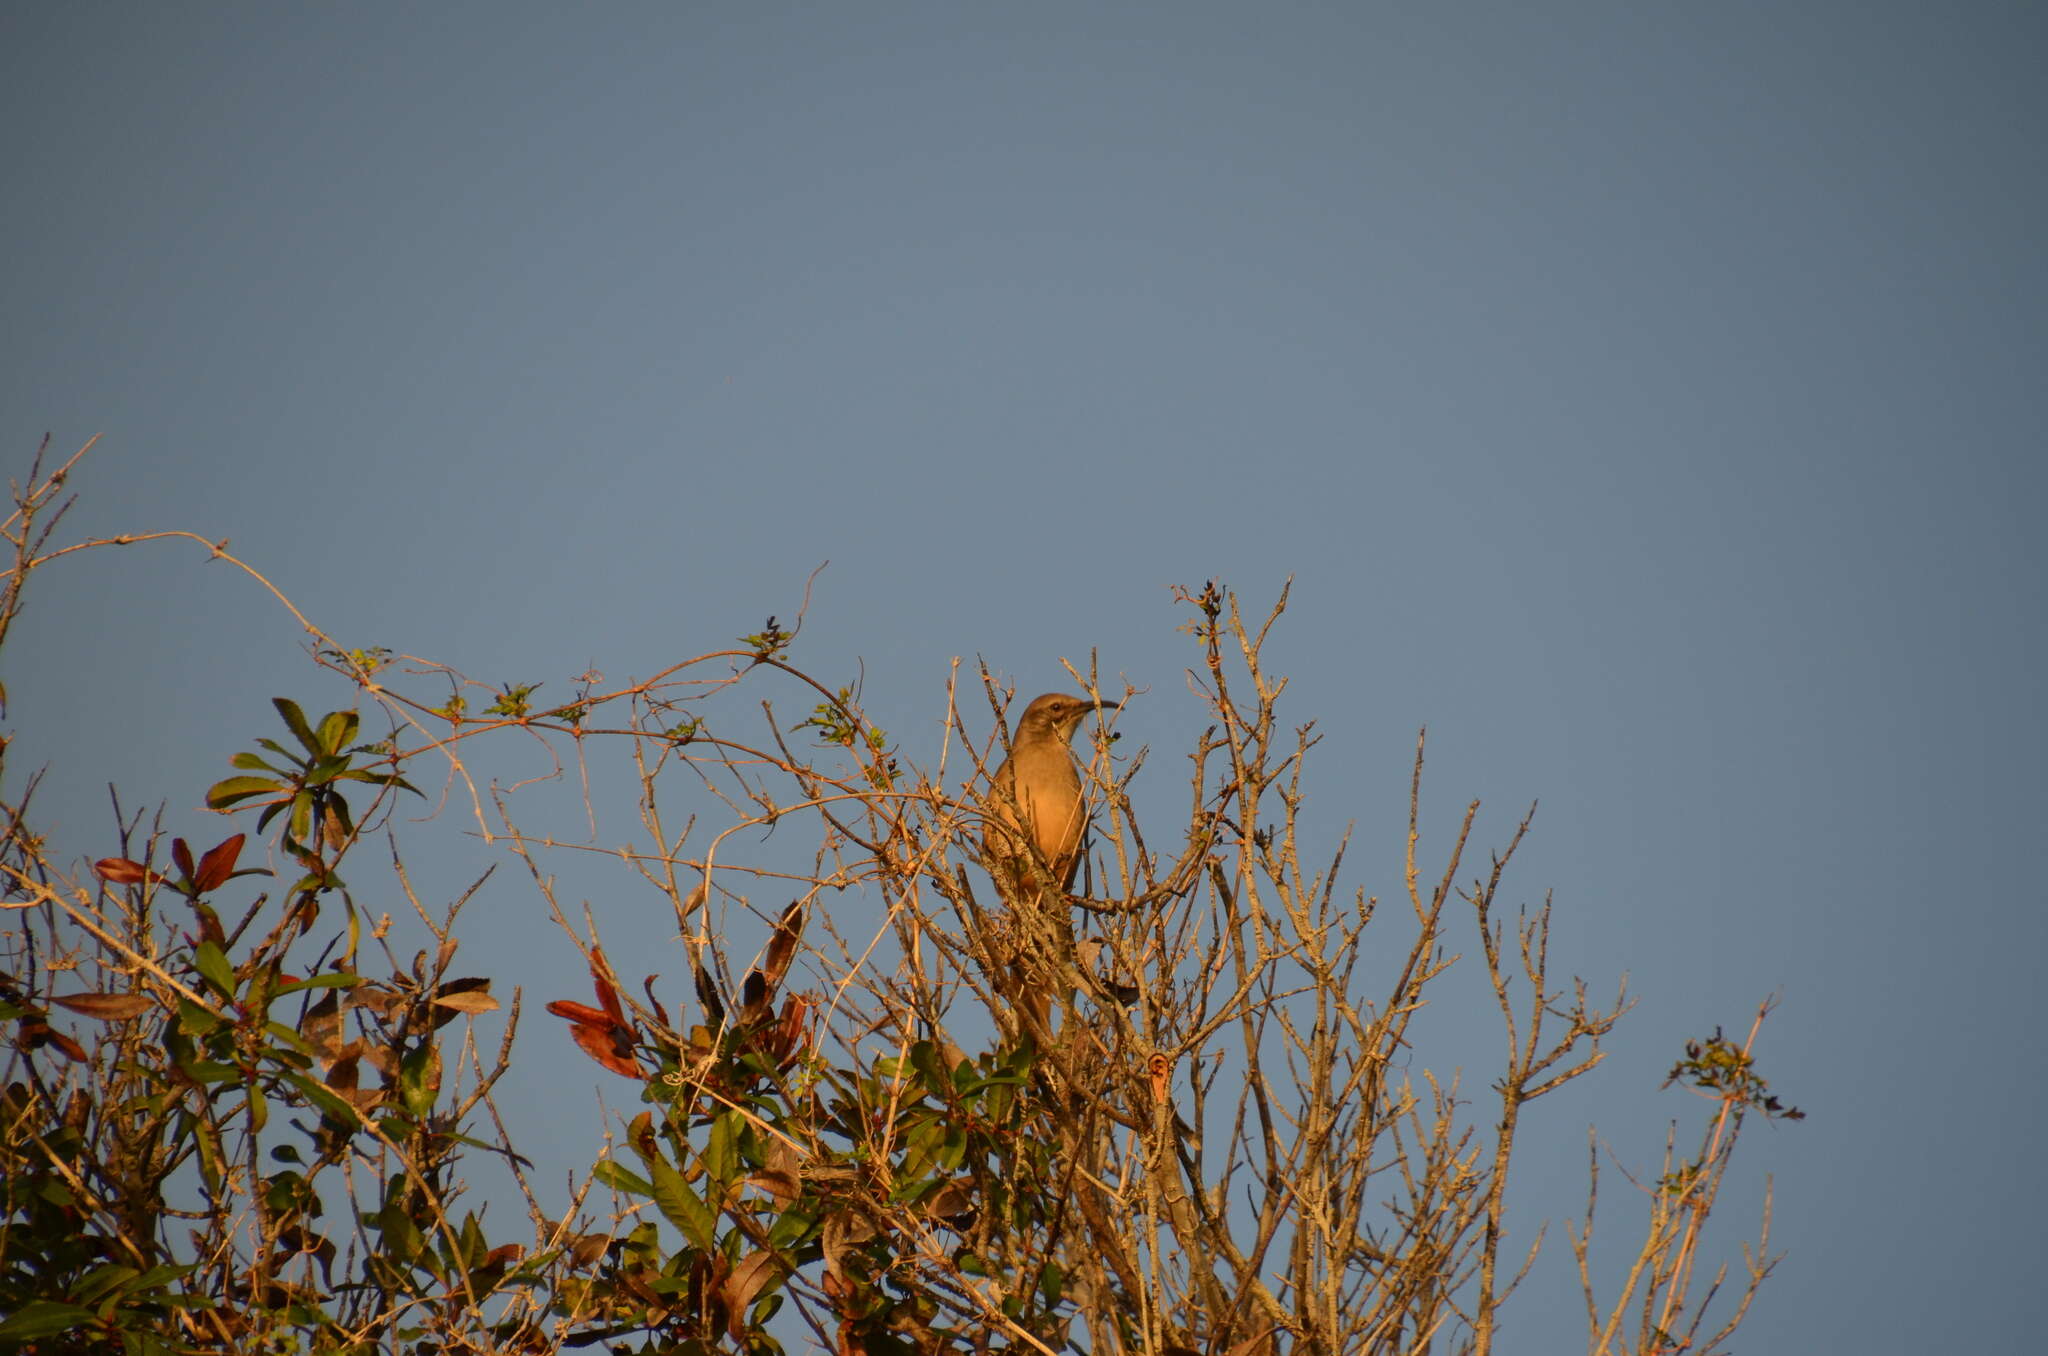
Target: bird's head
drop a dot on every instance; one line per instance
(1057, 715)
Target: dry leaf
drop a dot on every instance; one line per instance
(472, 1001)
(108, 1007)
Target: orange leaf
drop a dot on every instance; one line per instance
(602, 1046)
(580, 1014)
(607, 996)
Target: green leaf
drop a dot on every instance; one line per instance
(214, 968)
(56, 1193)
(295, 720)
(611, 1174)
(320, 1095)
(400, 1234)
(159, 1276)
(471, 1142)
(318, 982)
(419, 1076)
(44, 1318)
(253, 763)
(210, 1160)
(307, 883)
(796, 1226)
(684, 1208)
(1051, 1280)
(722, 1153)
(291, 1048)
(356, 774)
(326, 770)
(470, 1244)
(924, 1057)
(197, 1021)
(210, 1071)
(930, 1148)
(337, 729)
(235, 789)
(284, 1192)
(95, 1284)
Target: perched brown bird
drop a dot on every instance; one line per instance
(1037, 804)
(1037, 815)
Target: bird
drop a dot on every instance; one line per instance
(1037, 815)
(1036, 810)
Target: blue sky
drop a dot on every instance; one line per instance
(1647, 398)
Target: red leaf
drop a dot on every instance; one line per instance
(218, 864)
(121, 871)
(601, 1045)
(181, 857)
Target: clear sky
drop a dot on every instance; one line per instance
(1649, 398)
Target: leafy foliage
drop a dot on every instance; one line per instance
(1166, 1116)
(306, 788)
